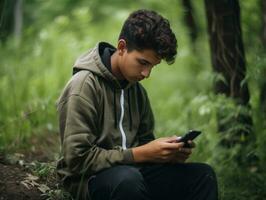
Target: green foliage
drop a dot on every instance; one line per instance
(33, 73)
(51, 190)
(42, 170)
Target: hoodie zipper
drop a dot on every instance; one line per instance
(124, 139)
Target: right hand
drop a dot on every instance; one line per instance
(161, 150)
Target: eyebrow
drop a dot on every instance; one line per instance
(144, 60)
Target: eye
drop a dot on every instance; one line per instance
(143, 62)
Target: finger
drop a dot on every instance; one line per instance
(192, 144)
(173, 139)
(178, 138)
(174, 146)
(185, 150)
(166, 139)
(181, 158)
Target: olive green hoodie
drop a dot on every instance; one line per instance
(99, 122)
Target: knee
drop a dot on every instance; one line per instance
(129, 176)
(118, 183)
(208, 170)
(130, 185)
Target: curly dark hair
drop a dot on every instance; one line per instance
(145, 29)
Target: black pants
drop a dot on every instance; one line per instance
(189, 181)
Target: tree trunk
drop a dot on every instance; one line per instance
(263, 84)
(6, 18)
(228, 61)
(190, 21)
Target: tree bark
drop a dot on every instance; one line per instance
(227, 51)
(228, 61)
(263, 38)
(6, 19)
(190, 21)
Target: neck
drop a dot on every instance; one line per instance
(115, 66)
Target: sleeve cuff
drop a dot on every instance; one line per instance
(128, 156)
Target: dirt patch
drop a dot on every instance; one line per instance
(11, 184)
(29, 173)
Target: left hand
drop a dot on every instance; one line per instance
(183, 153)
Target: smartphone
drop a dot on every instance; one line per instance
(190, 135)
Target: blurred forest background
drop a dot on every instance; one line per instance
(217, 84)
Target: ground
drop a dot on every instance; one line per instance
(28, 172)
(11, 186)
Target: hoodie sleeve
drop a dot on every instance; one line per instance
(146, 128)
(78, 123)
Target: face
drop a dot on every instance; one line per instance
(137, 65)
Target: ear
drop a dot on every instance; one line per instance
(121, 46)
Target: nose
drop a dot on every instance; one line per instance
(146, 72)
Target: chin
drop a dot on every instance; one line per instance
(132, 81)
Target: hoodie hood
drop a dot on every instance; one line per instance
(91, 61)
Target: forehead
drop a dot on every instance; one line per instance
(148, 55)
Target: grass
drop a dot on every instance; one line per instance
(33, 74)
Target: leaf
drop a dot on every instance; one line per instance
(31, 177)
(44, 188)
(30, 181)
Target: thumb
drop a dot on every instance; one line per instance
(172, 139)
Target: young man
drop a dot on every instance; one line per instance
(106, 123)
